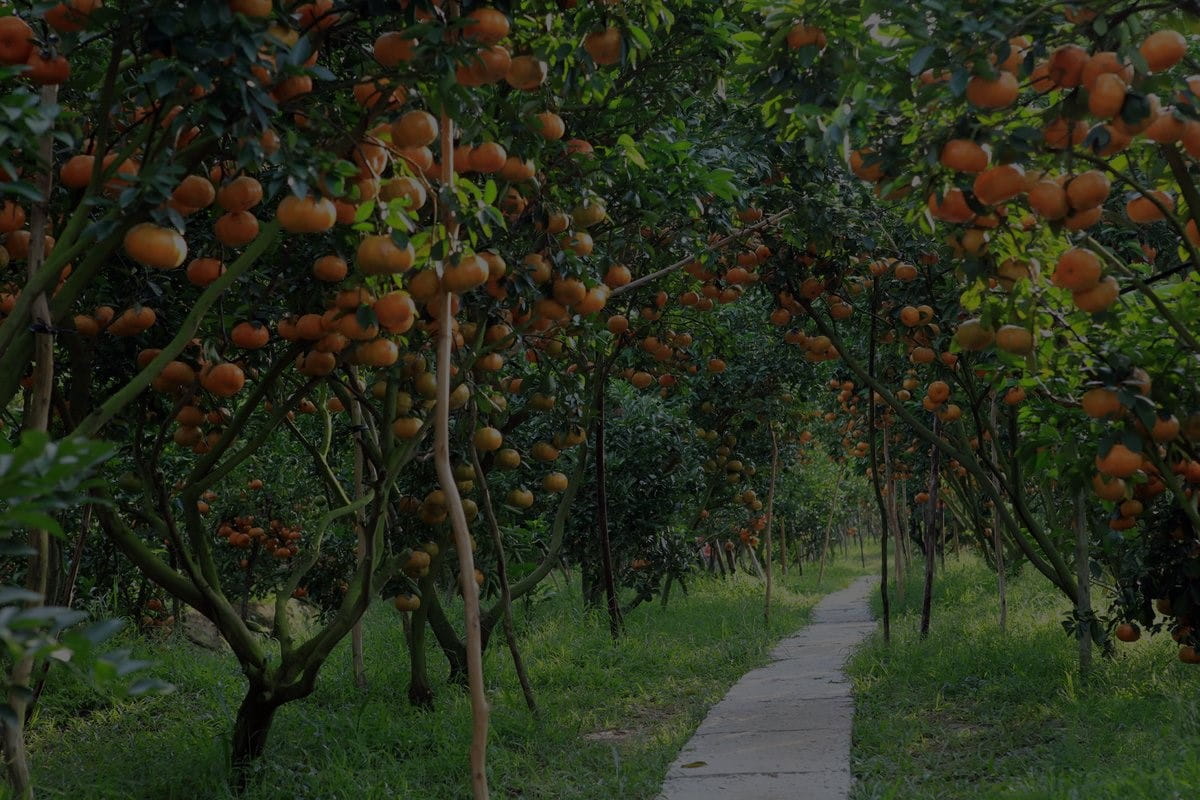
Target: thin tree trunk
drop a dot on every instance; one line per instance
(420, 689)
(829, 529)
(872, 411)
(770, 524)
(800, 557)
(606, 564)
(893, 514)
(510, 631)
(997, 538)
(458, 519)
(783, 548)
(755, 562)
(357, 662)
(930, 533)
(1083, 603)
(37, 418)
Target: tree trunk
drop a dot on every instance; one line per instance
(1083, 603)
(884, 519)
(998, 539)
(37, 418)
(357, 663)
(610, 585)
(783, 548)
(452, 646)
(829, 530)
(420, 690)
(458, 519)
(510, 631)
(770, 524)
(250, 730)
(893, 515)
(930, 534)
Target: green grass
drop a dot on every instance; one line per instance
(973, 713)
(650, 691)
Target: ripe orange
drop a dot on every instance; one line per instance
(486, 26)
(993, 93)
(236, 228)
(240, 194)
(70, 16)
(16, 40)
(203, 271)
(1066, 66)
(1104, 62)
(1078, 269)
(415, 129)
(224, 380)
(801, 35)
(1163, 50)
(330, 269)
(548, 125)
(952, 207)
(1101, 403)
(379, 255)
(1119, 461)
(393, 48)
(155, 246)
(1087, 190)
(47, 71)
(1143, 210)
(195, 192)
(1106, 96)
(527, 73)
(604, 46)
(1128, 632)
(1099, 297)
(306, 214)
(999, 184)
(250, 335)
(963, 155)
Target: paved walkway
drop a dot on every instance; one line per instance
(783, 731)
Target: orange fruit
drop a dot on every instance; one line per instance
(1163, 50)
(993, 93)
(1078, 269)
(963, 155)
(155, 246)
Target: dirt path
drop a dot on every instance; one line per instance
(783, 731)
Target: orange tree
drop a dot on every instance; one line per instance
(358, 175)
(1050, 146)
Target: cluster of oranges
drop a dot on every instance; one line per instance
(276, 539)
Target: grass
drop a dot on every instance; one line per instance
(614, 715)
(974, 713)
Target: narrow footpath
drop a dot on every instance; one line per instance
(783, 731)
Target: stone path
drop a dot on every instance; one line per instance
(783, 731)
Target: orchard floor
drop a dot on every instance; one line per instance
(974, 713)
(614, 715)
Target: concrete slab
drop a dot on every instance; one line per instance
(783, 731)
